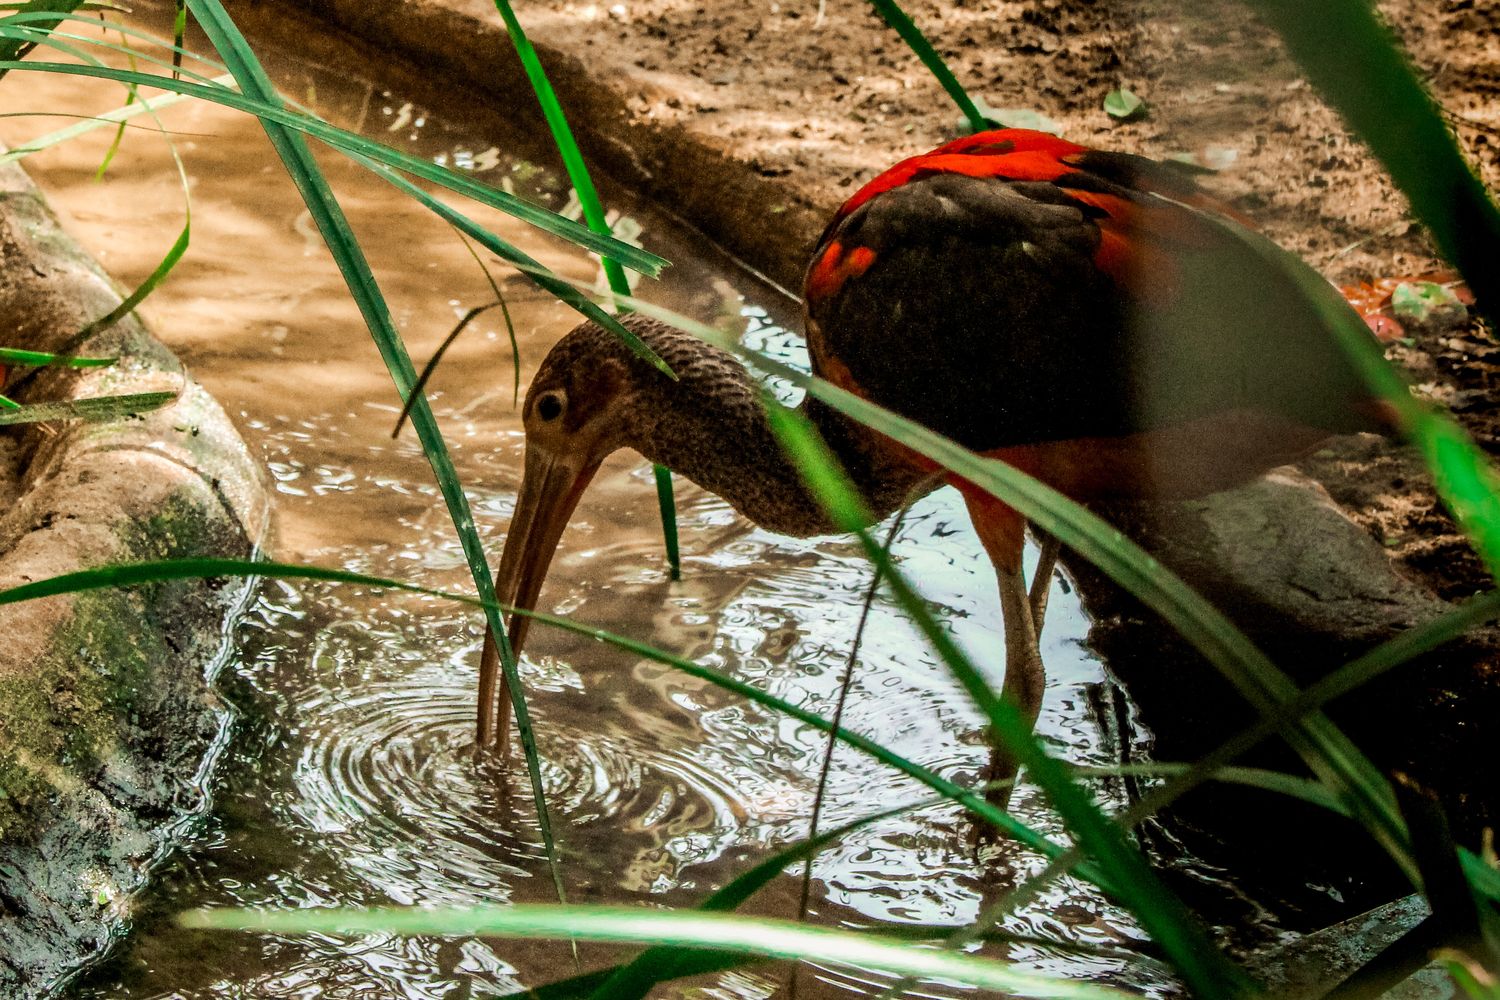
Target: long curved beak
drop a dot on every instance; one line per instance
(550, 488)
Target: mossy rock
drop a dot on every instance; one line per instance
(106, 709)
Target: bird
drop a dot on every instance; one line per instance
(1092, 318)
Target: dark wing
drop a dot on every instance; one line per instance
(1014, 288)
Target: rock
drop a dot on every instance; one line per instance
(107, 717)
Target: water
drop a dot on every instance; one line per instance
(351, 779)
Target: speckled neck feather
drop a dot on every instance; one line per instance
(710, 427)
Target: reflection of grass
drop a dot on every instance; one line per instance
(1347, 53)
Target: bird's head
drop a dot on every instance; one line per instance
(581, 407)
(591, 396)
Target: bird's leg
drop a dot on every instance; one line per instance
(1003, 533)
(1041, 582)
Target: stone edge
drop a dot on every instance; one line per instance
(110, 726)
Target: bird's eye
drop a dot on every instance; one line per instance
(550, 406)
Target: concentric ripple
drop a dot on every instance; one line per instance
(387, 778)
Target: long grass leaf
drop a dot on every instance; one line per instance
(178, 569)
(593, 215)
(679, 929)
(918, 43)
(117, 116)
(1205, 969)
(95, 408)
(35, 28)
(632, 257)
(51, 14)
(13, 356)
(334, 227)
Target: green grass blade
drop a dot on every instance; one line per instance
(174, 253)
(666, 503)
(38, 33)
(593, 215)
(1353, 59)
(918, 43)
(334, 227)
(119, 116)
(510, 325)
(1463, 474)
(153, 281)
(51, 14)
(562, 138)
(41, 359)
(33, 29)
(131, 97)
(179, 569)
(677, 929)
(346, 141)
(1205, 969)
(95, 408)
(179, 33)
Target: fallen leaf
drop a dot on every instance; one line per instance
(1123, 105)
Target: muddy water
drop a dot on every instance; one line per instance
(350, 779)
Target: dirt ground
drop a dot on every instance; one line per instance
(849, 99)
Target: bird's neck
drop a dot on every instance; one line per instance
(715, 432)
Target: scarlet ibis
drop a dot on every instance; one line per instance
(1085, 316)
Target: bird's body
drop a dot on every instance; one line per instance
(1089, 317)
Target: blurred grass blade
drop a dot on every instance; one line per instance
(593, 215)
(632, 257)
(12, 356)
(118, 116)
(179, 34)
(334, 227)
(677, 929)
(1464, 476)
(1205, 969)
(95, 408)
(918, 43)
(12, 49)
(1290, 785)
(1355, 62)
